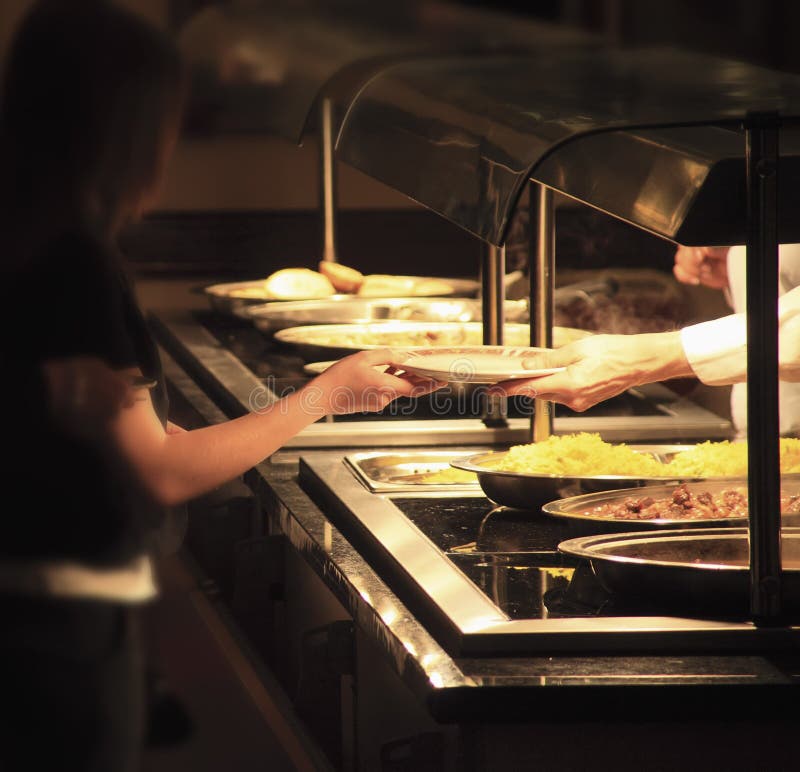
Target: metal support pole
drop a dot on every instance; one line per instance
(762, 368)
(493, 296)
(493, 272)
(327, 182)
(542, 275)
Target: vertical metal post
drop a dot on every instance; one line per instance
(762, 367)
(327, 182)
(542, 275)
(493, 272)
(493, 296)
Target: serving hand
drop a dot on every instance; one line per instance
(600, 367)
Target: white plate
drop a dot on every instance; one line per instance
(474, 364)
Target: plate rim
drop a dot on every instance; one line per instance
(479, 377)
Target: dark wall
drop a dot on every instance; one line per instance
(252, 244)
(758, 31)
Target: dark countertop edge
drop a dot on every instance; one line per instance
(278, 490)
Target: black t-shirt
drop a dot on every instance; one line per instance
(68, 498)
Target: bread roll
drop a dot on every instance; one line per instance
(344, 279)
(297, 284)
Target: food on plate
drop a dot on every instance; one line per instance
(344, 279)
(298, 283)
(587, 455)
(685, 504)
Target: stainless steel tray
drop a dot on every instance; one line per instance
(226, 298)
(573, 510)
(382, 472)
(330, 341)
(703, 569)
(531, 491)
(352, 309)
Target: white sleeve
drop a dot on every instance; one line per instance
(717, 350)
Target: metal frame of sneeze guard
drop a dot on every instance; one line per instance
(463, 136)
(680, 144)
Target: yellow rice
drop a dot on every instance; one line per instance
(587, 455)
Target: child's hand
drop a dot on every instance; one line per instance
(364, 382)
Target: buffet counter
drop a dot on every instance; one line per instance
(378, 675)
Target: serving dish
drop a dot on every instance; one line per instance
(703, 569)
(234, 297)
(410, 472)
(531, 491)
(353, 309)
(581, 515)
(331, 341)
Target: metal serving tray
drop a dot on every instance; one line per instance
(697, 570)
(320, 342)
(531, 491)
(226, 298)
(406, 472)
(353, 309)
(575, 510)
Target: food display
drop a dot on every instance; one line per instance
(292, 283)
(529, 476)
(334, 279)
(578, 455)
(698, 504)
(344, 279)
(686, 504)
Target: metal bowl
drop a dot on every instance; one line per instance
(331, 341)
(703, 569)
(573, 510)
(531, 491)
(352, 309)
